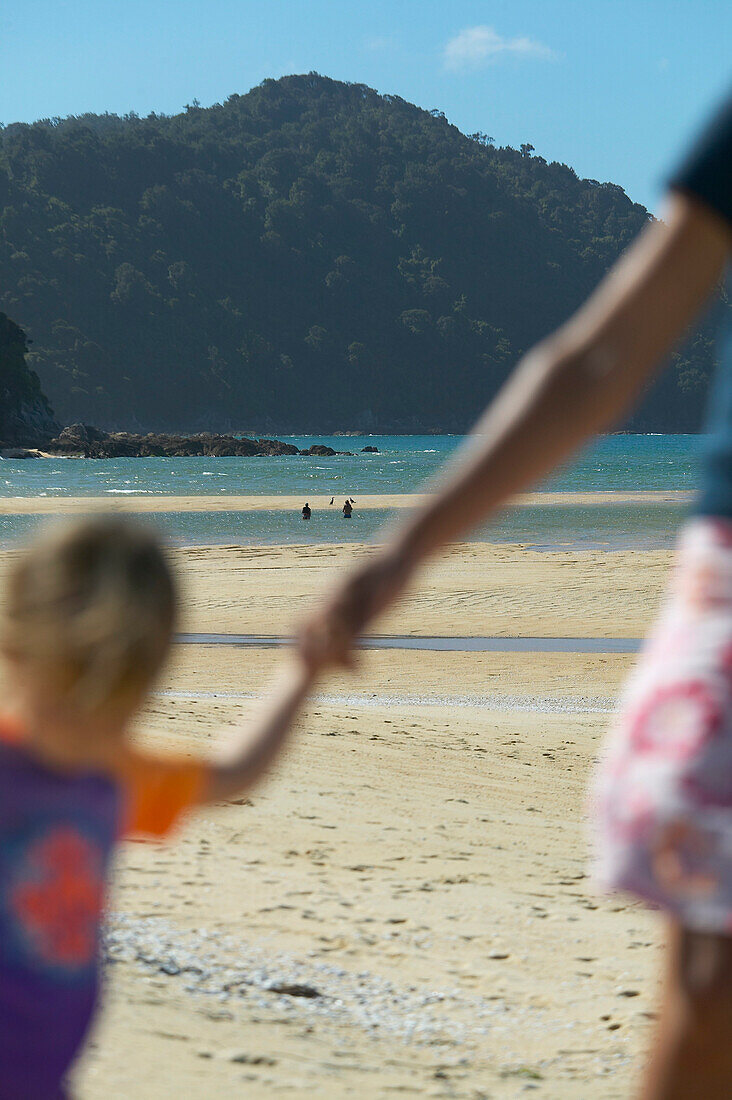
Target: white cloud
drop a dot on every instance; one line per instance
(476, 46)
(379, 43)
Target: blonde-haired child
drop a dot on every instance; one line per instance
(88, 619)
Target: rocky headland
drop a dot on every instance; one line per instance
(29, 429)
(84, 441)
(26, 418)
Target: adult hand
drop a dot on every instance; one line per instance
(327, 637)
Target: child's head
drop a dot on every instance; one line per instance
(89, 614)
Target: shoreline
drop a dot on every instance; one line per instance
(152, 502)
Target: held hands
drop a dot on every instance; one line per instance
(328, 636)
(326, 639)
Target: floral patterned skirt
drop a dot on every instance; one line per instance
(662, 799)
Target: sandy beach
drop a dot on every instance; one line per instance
(158, 502)
(278, 312)
(404, 907)
(473, 589)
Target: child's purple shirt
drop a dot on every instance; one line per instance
(57, 832)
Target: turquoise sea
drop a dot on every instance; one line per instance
(403, 464)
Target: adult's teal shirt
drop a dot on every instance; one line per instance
(706, 174)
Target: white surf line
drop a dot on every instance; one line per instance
(534, 704)
(254, 978)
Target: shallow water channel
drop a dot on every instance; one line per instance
(407, 641)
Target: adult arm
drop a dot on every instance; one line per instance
(581, 379)
(572, 385)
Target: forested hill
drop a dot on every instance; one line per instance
(309, 256)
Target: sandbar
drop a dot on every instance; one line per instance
(160, 502)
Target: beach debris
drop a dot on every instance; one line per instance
(293, 989)
(526, 1072)
(213, 964)
(531, 704)
(242, 1058)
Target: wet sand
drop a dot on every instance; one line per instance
(404, 906)
(475, 589)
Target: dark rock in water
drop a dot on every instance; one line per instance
(277, 447)
(79, 436)
(321, 450)
(84, 441)
(369, 450)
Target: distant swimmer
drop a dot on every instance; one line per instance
(347, 510)
(307, 511)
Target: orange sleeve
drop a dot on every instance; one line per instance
(158, 792)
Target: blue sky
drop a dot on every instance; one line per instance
(613, 87)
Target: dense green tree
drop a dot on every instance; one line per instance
(309, 256)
